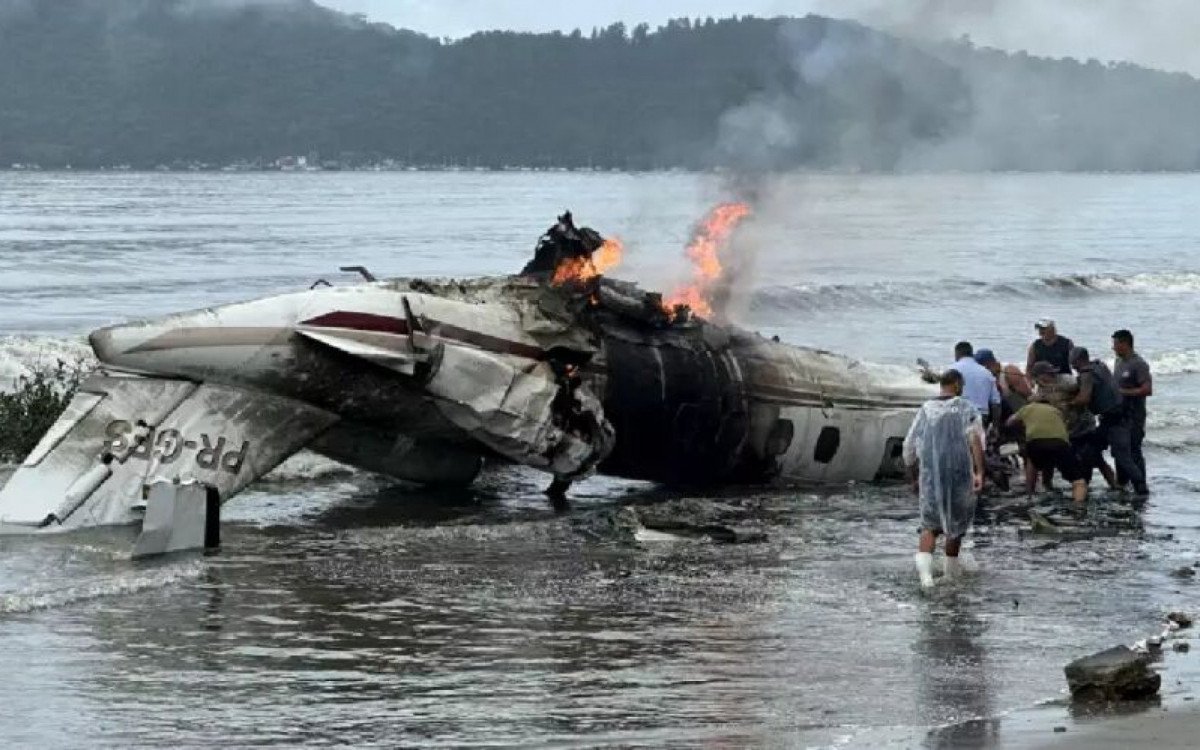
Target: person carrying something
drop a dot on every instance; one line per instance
(1098, 391)
(1014, 387)
(1047, 444)
(944, 452)
(1135, 384)
(1049, 347)
(979, 385)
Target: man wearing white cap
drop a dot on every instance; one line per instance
(1049, 347)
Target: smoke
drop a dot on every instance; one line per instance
(903, 89)
(1158, 35)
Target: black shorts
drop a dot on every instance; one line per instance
(1054, 454)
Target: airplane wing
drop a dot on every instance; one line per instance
(506, 396)
(121, 432)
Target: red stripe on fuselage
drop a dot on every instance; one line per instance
(360, 322)
(385, 324)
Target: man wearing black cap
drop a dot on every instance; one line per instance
(1133, 379)
(1049, 347)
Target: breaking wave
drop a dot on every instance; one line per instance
(307, 466)
(803, 297)
(37, 599)
(22, 355)
(1176, 363)
(1161, 418)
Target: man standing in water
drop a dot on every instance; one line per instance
(1133, 379)
(944, 453)
(1049, 347)
(1098, 393)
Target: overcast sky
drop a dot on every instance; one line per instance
(1158, 33)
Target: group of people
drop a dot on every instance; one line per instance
(1063, 410)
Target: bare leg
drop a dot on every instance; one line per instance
(1107, 472)
(1031, 477)
(953, 546)
(927, 542)
(1079, 491)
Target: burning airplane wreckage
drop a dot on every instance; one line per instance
(558, 368)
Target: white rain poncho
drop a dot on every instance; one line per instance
(939, 438)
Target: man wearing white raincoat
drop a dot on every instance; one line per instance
(944, 453)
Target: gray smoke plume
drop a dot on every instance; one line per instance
(906, 90)
(1159, 34)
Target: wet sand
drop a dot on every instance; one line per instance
(1157, 726)
(1169, 720)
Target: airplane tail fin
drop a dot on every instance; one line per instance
(120, 433)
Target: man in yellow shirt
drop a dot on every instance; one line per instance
(1047, 444)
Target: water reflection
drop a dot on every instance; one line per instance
(952, 670)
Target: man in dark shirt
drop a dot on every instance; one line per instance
(1135, 384)
(1049, 347)
(1098, 393)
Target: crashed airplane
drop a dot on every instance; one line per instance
(424, 380)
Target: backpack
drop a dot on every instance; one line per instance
(1105, 396)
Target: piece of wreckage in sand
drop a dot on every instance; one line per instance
(424, 379)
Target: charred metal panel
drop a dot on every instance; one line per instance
(678, 409)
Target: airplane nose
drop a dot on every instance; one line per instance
(118, 345)
(102, 345)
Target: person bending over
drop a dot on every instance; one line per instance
(1047, 444)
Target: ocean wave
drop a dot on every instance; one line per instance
(49, 598)
(21, 355)
(1175, 363)
(1171, 441)
(307, 466)
(1163, 418)
(801, 297)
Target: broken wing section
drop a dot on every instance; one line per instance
(522, 409)
(121, 432)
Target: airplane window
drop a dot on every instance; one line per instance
(827, 445)
(780, 437)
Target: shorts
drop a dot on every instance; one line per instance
(1054, 454)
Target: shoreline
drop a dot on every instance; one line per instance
(1166, 722)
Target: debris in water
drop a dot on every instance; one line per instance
(688, 518)
(1041, 525)
(1181, 619)
(1184, 572)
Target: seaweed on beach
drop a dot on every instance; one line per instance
(35, 402)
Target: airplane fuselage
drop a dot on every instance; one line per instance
(694, 403)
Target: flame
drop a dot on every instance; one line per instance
(710, 237)
(588, 267)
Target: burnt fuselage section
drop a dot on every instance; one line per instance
(693, 402)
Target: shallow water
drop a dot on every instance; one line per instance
(342, 609)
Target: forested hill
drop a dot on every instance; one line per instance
(95, 83)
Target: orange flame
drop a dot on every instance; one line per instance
(710, 237)
(588, 267)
